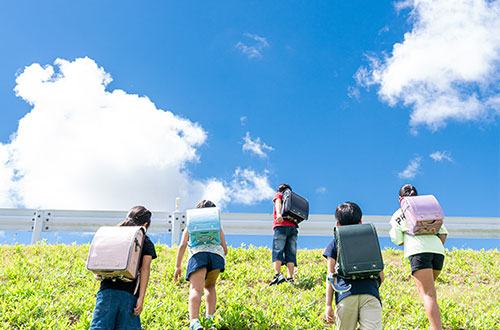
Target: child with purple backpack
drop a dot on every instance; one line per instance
(426, 256)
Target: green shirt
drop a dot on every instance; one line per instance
(414, 244)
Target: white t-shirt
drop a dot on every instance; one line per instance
(414, 244)
(212, 248)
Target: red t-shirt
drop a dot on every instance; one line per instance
(285, 221)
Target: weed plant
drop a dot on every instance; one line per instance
(47, 287)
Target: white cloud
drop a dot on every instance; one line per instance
(353, 92)
(243, 120)
(446, 68)
(253, 46)
(321, 190)
(6, 178)
(255, 146)
(412, 169)
(248, 187)
(82, 147)
(440, 156)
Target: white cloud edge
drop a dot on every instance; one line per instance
(412, 169)
(252, 49)
(440, 156)
(256, 146)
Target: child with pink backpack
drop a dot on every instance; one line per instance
(417, 225)
(120, 299)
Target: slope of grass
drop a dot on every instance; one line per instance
(48, 287)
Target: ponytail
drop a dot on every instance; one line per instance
(137, 216)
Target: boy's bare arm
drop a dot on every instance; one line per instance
(381, 278)
(329, 312)
(277, 206)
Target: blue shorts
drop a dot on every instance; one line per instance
(208, 260)
(114, 309)
(285, 244)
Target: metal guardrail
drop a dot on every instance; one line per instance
(38, 221)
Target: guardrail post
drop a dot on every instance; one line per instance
(176, 223)
(38, 218)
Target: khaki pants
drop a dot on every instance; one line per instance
(362, 308)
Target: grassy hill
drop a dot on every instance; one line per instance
(48, 287)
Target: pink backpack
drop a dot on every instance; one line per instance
(423, 214)
(115, 252)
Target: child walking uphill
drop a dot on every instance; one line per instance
(116, 305)
(205, 263)
(362, 302)
(284, 240)
(426, 255)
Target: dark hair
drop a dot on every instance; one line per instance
(282, 187)
(205, 203)
(408, 190)
(348, 213)
(137, 216)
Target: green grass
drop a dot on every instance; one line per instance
(48, 287)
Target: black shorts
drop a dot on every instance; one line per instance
(426, 260)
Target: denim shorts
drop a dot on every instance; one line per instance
(114, 309)
(285, 244)
(426, 260)
(208, 260)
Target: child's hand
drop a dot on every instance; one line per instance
(138, 306)
(329, 314)
(177, 273)
(279, 219)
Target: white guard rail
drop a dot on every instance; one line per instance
(38, 221)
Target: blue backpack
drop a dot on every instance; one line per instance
(203, 226)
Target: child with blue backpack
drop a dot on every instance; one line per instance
(426, 256)
(205, 262)
(361, 303)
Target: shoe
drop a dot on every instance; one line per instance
(290, 280)
(196, 326)
(277, 279)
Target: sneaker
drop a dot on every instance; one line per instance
(277, 279)
(196, 326)
(290, 280)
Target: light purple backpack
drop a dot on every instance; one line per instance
(423, 214)
(115, 252)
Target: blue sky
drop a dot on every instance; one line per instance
(227, 100)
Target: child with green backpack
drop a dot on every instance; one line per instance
(207, 249)
(357, 298)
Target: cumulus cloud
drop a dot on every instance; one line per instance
(82, 147)
(447, 67)
(256, 146)
(252, 46)
(412, 169)
(248, 187)
(440, 156)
